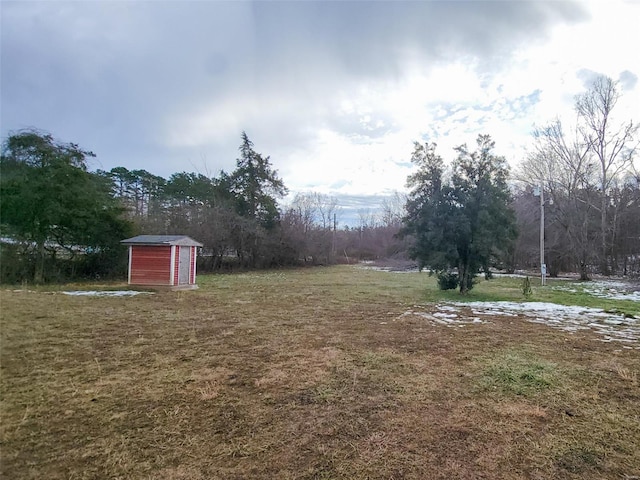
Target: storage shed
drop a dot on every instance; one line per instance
(165, 261)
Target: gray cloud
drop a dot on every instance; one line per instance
(628, 80)
(370, 38)
(119, 77)
(588, 77)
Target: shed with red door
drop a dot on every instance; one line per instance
(163, 261)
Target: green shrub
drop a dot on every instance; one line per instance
(448, 280)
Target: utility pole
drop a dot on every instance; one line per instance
(539, 191)
(543, 266)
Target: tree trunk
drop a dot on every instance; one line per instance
(463, 272)
(38, 275)
(584, 274)
(604, 264)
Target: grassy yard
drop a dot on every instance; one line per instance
(310, 374)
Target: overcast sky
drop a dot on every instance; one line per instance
(334, 92)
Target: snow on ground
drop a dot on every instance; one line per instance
(391, 267)
(605, 289)
(106, 293)
(610, 326)
(448, 315)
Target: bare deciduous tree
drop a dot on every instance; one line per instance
(583, 175)
(563, 168)
(393, 210)
(613, 145)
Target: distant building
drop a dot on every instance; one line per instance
(162, 261)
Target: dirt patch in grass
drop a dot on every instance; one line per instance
(306, 374)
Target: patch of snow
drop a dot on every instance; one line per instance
(609, 289)
(447, 308)
(445, 317)
(494, 312)
(611, 326)
(106, 293)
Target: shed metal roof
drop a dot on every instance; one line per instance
(182, 240)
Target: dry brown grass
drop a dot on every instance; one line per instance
(305, 374)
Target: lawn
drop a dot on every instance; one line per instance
(323, 373)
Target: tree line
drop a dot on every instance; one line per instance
(238, 217)
(59, 221)
(591, 185)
